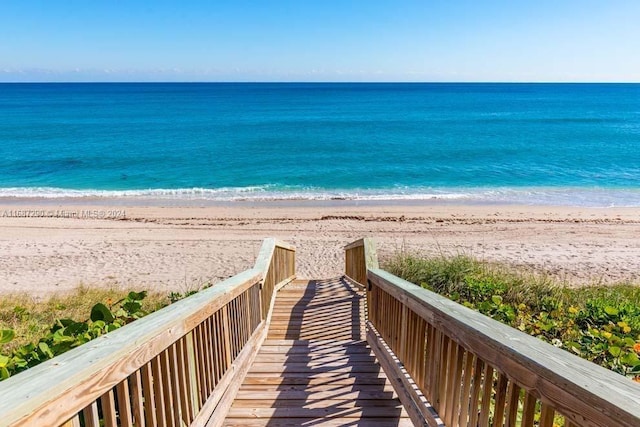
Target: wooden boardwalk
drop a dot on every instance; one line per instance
(264, 349)
(315, 367)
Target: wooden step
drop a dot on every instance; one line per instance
(369, 379)
(316, 358)
(306, 404)
(315, 368)
(311, 375)
(279, 349)
(313, 345)
(333, 421)
(308, 388)
(287, 368)
(290, 412)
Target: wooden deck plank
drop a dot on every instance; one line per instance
(318, 387)
(304, 403)
(298, 412)
(316, 344)
(324, 422)
(316, 358)
(344, 394)
(292, 350)
(315, 367)
(368, 379)
(334, 375)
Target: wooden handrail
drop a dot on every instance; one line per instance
(177, 366)
(360, 256)
(276, 261)
(459, 367)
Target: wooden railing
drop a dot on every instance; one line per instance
(175, 367)
(360, 256)
(457, 367)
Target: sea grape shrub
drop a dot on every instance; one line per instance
(604, 334)
(608, 335)
(66, 334)
(598, 324)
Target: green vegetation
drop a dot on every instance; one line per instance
(598, 323)
(33, 331)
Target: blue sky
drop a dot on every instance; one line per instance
(322, 40)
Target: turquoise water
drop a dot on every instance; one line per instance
(570, 144)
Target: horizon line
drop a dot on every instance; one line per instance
(312, 82)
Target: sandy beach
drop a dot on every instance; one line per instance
(54, 247)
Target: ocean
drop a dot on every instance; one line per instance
(555, 144)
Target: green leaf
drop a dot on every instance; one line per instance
(44, 348)
(76, 328)
(575, 347)
(614, 351)
(66, 322)
(137, 296)
(630, 359)
(4, 374)
(6, 335)
(132, 307)
(4, 361)
(19, 362)
(98, 324)
(25, 349)
(101, 312)
(497, 299)
(61, 336)
(611, 311)
(484, 307)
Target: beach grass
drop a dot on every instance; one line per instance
(474, 280)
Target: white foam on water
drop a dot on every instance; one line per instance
(587, 197)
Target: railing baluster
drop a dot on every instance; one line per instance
(220, 363)
(192, 374)
(90, 415)
(450, 376)
(73, 422)
(209, 354)
(228, 332)
(467, 379)
(528, 410)
(500, 399)
(167, 389)
(457, 381)
(150, 412)
(476, 391)
(443, 374)
(185, 392)
(176, 396)
(487, 393)
(137, 399)
(547, 414)
(108, 403)
(436, 366)
(124, 404)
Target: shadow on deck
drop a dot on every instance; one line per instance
(315, 367)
